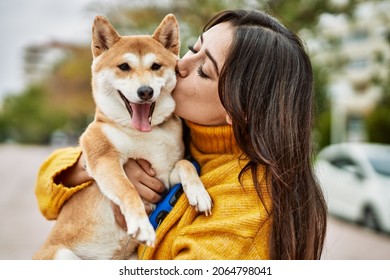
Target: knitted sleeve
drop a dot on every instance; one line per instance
(51, 195)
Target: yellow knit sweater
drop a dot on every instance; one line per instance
(238, 228)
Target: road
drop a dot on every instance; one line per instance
(23, 228)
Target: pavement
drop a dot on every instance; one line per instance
(23, 229)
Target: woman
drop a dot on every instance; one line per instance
(245, 90)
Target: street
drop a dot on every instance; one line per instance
(23, 228)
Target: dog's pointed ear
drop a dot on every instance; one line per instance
(103, 36)
(167, 33)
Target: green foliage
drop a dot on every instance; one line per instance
(322, 107)
(62, 101)
(378, 122)
(68, 84)
(299, 14)
(378, 125)
(322, 130)
(143, 18)
(27, 118)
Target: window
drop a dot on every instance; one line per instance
(349, 165)
(342, 162)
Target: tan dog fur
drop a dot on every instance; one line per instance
(140, 70)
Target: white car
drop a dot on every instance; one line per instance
(355, 178)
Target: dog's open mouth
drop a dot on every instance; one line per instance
(140, 114)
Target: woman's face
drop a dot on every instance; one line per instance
(196, 92)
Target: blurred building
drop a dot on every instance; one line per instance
(356, 50)
(40, 59)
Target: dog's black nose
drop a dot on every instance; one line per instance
(145, 93)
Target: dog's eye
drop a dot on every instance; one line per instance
(124, 67)
(155, 66)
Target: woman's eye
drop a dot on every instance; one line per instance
(124, 67)
(191, 48)
(201, 73)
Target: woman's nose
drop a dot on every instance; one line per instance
(181, 69)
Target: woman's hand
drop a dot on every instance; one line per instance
(141, 174)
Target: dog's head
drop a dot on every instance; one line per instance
(133, 76)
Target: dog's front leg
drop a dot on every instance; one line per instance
(105, 166)
(185, 173)
(115, 185)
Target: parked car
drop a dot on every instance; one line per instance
(355, 178)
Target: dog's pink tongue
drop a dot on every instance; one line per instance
(140, 119)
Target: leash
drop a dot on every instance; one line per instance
(125, 248)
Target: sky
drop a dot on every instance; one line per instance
(26, 22)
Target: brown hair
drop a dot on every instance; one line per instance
(266, 86)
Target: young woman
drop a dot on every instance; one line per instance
(245, 91)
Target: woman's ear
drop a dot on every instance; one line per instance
(228, 119)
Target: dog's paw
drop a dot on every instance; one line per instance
(199, 198)
(141, 230)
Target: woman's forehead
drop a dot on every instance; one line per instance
(218, 39)
(222, 31)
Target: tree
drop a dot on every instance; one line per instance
(60, 100)
(27, 118)
(378, 122)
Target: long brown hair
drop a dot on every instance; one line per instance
(266, 86)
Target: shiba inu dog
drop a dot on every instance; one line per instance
(132, 80)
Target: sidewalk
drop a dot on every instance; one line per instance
(23, 228)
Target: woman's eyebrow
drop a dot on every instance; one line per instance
(213, 60)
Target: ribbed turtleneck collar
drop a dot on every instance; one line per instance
(212, 139)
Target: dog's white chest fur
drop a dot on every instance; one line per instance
(162, 146)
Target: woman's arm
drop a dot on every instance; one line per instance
(62, 174)
(51, 193)
(74, 175)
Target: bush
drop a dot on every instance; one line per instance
(378, 125)
(26, 118)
